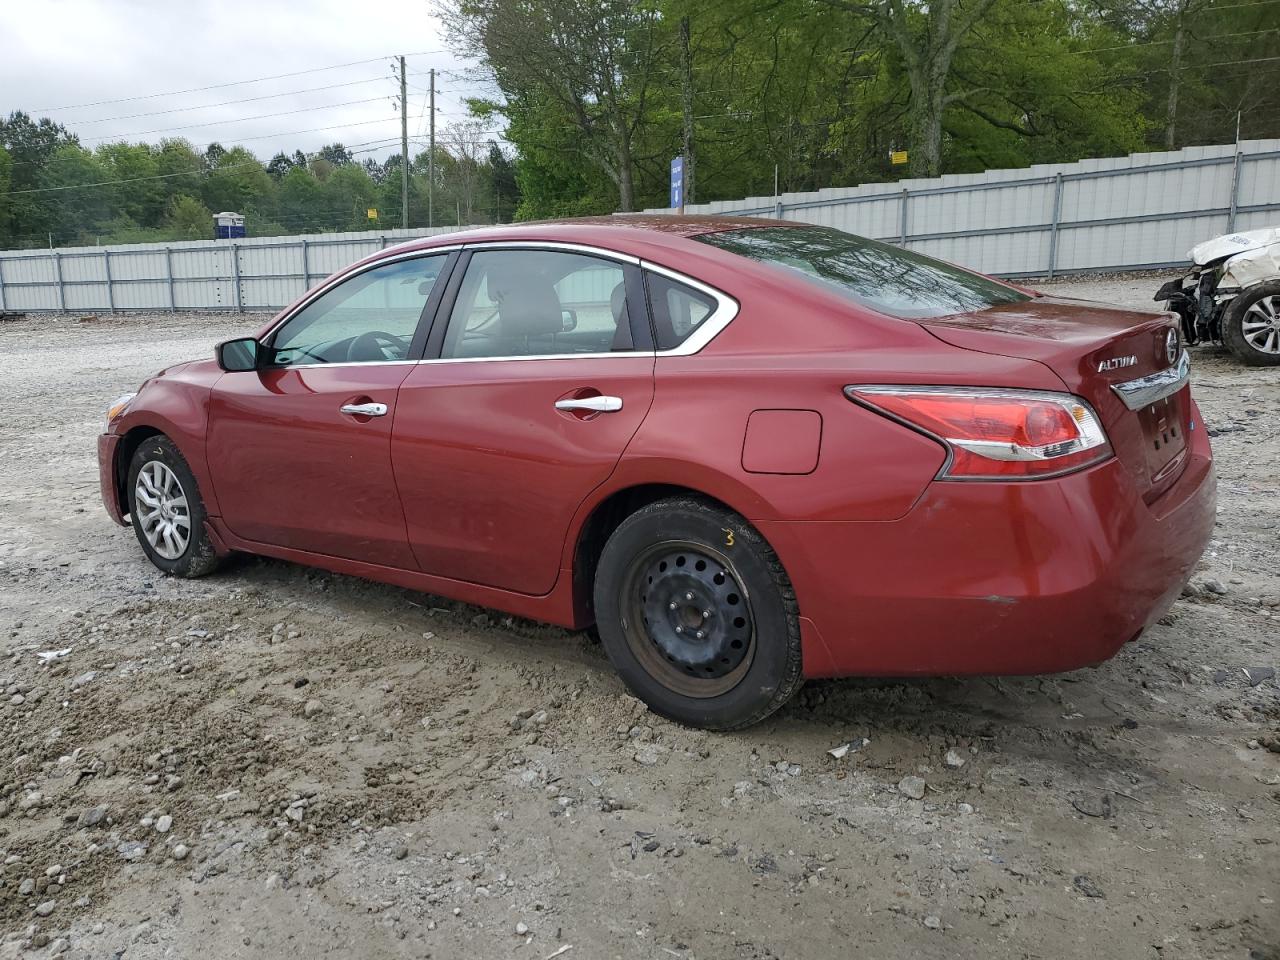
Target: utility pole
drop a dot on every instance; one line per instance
(404, 149)
(431, 157)
(686, 105)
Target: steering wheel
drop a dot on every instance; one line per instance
(372, 346)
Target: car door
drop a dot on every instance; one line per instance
(539, 372)
(300, 450)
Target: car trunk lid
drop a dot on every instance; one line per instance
(1118, 360)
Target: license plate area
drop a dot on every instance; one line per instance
(1164, 428)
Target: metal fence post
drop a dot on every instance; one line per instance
(1235, 193)
(306, 267)
(2, 304)
(62, 290)
(902, 225)
(111, 294)
(235, 272)
(168, 276)
(1053, 227)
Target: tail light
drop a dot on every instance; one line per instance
(996, 434)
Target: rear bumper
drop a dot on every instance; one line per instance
(998, 578)
(107, 443)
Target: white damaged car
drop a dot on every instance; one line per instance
(1232, 295)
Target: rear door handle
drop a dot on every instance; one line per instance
(594, 404)
(364, 409)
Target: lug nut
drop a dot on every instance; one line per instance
(699, 634)
(679, 629)
(688, 596)
(706, 614)
(672, 605)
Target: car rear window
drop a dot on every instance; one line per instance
(877, 275)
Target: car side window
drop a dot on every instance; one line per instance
(523, 303)
(677, 308)
(370, 318)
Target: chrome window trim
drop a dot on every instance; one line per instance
(332, 282)
(612, 354)
(339, 363)
(583, 248)
(726, 309)
(1145, 391)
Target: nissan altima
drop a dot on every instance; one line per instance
(748, 451)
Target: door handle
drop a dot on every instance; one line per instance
(364, 409)
(593, 404)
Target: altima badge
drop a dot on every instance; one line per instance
(1115, 363)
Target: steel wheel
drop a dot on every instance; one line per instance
(1260, 325)
(688, 619)
(164, 516)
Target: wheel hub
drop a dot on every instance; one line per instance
(695, 613)
(161, 510)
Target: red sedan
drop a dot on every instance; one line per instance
(749, 451)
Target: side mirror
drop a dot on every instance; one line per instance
(568, 320)
(237, 356)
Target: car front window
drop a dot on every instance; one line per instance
(369, 318)
(888, 279)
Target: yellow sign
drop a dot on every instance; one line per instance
(897, 157)
(373, 214)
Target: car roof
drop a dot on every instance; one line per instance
(638, 234)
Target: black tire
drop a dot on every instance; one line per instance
(197, 557)
(1233, 334)
(751, 650)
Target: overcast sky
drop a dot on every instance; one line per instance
(63, 58)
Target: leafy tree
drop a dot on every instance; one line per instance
(280, 165)
(237, 182)
(335, 153)
(348, 194)
(188, 219)
(300, 201)
(593, 62)
(506, 192)
(139, 194)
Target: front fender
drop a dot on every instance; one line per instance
(1252, 267)
(176, 405)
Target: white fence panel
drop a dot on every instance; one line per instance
(1110, 213)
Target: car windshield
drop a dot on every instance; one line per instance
(877, 275)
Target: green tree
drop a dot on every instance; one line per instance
(594, 63)
(138, 193)
(348, 195)
(236, 181)
(186, 218)
(301, 202)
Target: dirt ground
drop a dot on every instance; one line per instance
(277, 761)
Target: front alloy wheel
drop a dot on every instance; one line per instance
(167, 511)
(1251, 326)
(164, 515)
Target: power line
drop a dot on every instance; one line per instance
(228, 103)
(1156, 43)
(215, 123)
(234, 83)
(112, 183)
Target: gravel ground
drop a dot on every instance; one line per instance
(277, 760)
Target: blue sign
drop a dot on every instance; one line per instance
(677, 182)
